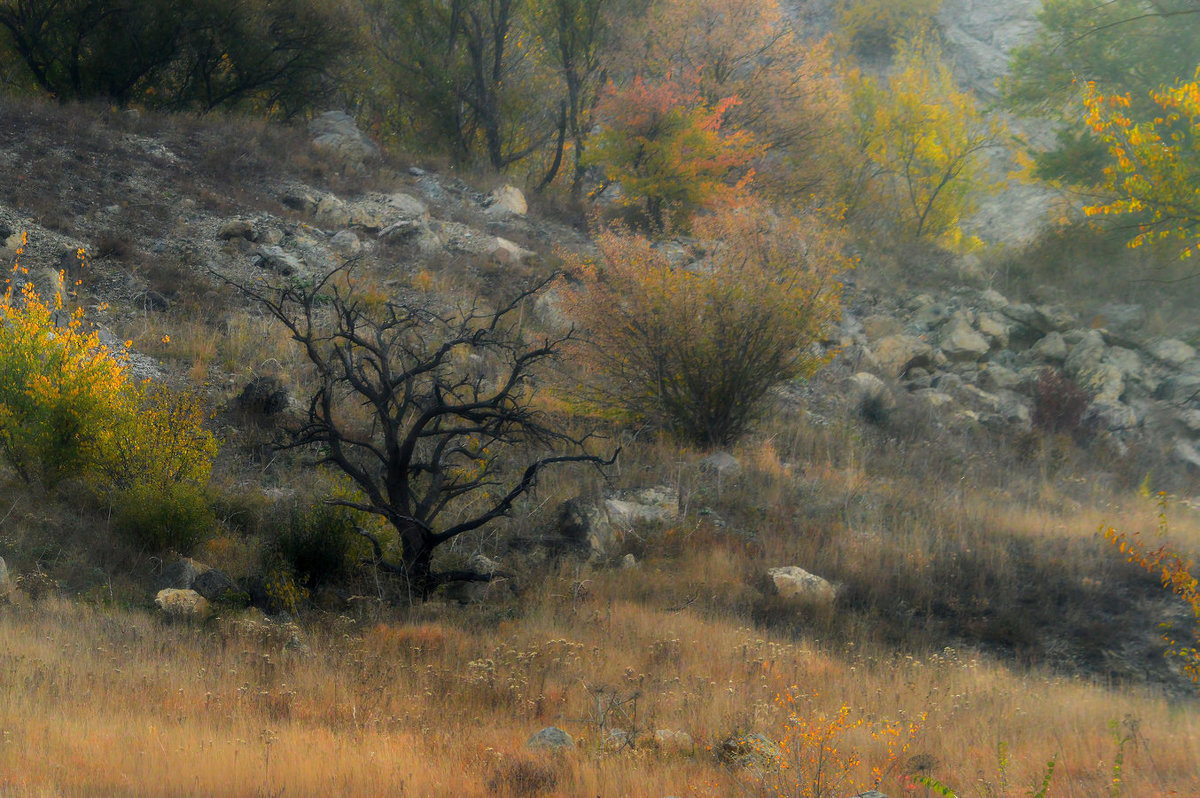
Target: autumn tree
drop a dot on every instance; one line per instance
(696, 346)
(923, 140)
(1154, 162)
(669, 151)
(426, 412)
(1128, 47)
(790, 96)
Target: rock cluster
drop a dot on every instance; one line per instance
(976, 357)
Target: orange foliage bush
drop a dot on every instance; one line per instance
(696, 346)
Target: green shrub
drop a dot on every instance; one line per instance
(317, 541)
(176, 516)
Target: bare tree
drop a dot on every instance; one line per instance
(425, 411)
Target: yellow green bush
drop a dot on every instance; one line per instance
(68, 409)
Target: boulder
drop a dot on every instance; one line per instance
(508, 253)
(180, 575)
(336, 134)
(1054, 318)
(585, 523)
(755, 751)
(507, 201)
(1051, 348)
(550, 738)
(345, 243)
(1186, 453)
(896, 354)
(656, 504)
(332, 211)
(5, 581)
(723, 464)
(960, 341)
(1171, 352)
(236, 228)
(995, 328)
(213, 584)
(182, 605)
(794, 582)
(275, 259)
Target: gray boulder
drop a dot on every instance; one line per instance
(213, 584)
(1051, 348)
(960, 341)
(345, 243)
(1171, 352)
(550, 738)
(275, 259)
(336, 134)
(723, 464)
(179, 575)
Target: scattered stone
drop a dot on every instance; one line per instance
(183, 605)
(236, 228)
(1171, 352)
(896, 354)
(960, 341)
(275, 259)
(263, 396)
(1191, 420)
(507, 201)
(794, 582)
(1052, 348)
(723, 464)
(550, 738)
(345, 243)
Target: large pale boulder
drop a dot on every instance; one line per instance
(792, 581)
(183, 605)
(960, 341)
(507, 201)
(336, 134)
(1171, 351)
(896, 354)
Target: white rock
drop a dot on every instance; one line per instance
(792, 581)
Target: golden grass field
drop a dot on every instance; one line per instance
(438, 700)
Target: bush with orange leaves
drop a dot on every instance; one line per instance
(696, 346)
